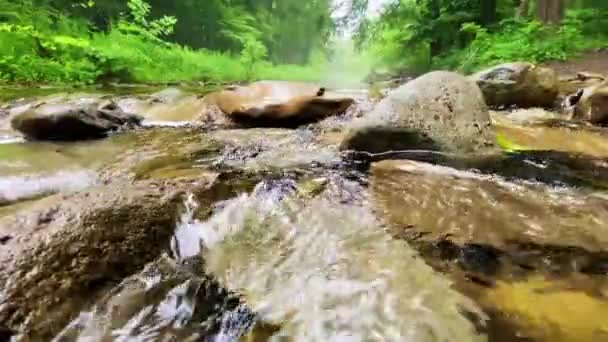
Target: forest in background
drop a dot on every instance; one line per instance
(92, 41)
(64, 41)
(413, 36)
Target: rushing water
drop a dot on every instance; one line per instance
(318, 269)
(323, 255)
(19, 188)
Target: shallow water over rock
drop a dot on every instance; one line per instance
(17, 188)
(467, 207)
(319, 268)
(272, 234)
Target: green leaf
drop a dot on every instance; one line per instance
(507, 145)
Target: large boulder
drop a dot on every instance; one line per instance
(72, 121)
(56, 256)
(518, 84)
(592, 105)
(277, 103)
(437, 111)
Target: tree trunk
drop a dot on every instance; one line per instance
(436, 47)
(523, 9)
(550, 11)
(488, 11)
(556, 11)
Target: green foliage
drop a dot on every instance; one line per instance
(516, 40)
(413, 36)
(422, 28)
(289, 29)
(140, 10)
(508, 146)
(30, 53)
(253, 53)
(41, 45)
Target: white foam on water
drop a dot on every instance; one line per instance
(177, 124)
(15, 188)
(11, 140)
(324, 270)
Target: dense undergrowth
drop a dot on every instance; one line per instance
(518, 40)
(410, 38)
(42, 45)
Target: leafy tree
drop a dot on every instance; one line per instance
(469, 34)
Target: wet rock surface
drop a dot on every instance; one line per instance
(495, 222)
(71, 247)
(197, 227)
(274, 149)
(571, 84)
(277, 103)
(518, 84)
(437, 111)
(592, 105)
(72, 122)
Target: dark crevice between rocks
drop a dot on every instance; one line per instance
(5, 334)
(244, 120)
(486, 261)
(393, 139)
(5, 238)
(549, 167)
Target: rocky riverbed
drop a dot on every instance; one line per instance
(451, 208)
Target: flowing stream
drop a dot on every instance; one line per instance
(321, 269)
(291, 244)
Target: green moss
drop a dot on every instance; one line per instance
(507, 145)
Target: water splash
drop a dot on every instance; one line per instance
(317, 267)
(324, 270)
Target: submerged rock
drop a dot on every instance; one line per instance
(545, 226)
(592, 106)
(518, 84)
(537, 307)
(259, 149)
(575, 140)
(72, 121)
(63, 251)
(277, 103)
(438, 111)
